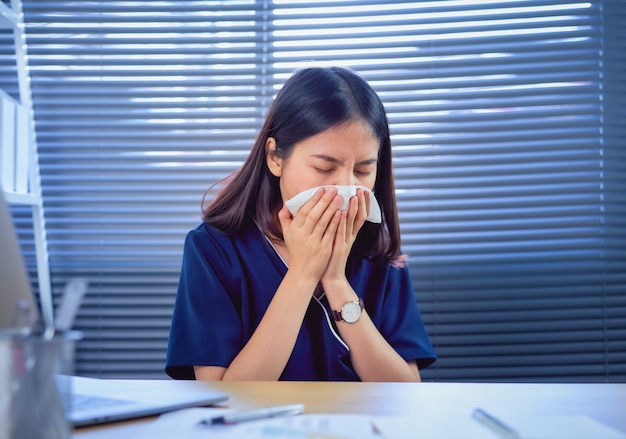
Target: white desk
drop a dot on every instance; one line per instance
(605, 403)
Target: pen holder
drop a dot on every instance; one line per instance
(35, 385)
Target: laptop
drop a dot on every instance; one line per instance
(93, 400)
(98, 401)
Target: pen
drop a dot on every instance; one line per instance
(251, 415)
(495, 425)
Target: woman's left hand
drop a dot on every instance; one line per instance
(349, 225)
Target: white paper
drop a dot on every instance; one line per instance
(374, 216)
(431, 427)
(527, 425)
(543, 426)
(183, 424)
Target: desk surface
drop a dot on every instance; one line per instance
(605, 403)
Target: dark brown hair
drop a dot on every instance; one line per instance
(313, 100)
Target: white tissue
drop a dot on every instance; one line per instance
(294, 204)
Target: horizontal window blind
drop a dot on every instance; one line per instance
(614, 141)
(507, 121)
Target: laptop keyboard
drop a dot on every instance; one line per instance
(90, 402)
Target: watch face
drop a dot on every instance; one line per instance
(351, 312)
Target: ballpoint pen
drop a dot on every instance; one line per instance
(495, 425)
(254, 414)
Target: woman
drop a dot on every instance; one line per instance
(319, 294)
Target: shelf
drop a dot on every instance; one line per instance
(8, 19)
(19, 162)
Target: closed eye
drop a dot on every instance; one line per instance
(323, 171)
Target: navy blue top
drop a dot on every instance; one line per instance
(227, 283)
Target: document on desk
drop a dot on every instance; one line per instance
(513, 426)
(187, 424)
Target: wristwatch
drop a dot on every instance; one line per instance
(350, 312)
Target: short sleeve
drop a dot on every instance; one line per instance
(396, 313)
(206, 322)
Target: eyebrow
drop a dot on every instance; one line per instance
(334, 160)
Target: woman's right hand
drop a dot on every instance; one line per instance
(309, 234)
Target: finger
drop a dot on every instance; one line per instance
(284, 215)
(303, 212)
(285, 218)
(321, 226)
(356, 221)
(351, 214)
(343, 242)
(334, 227)
(363, 204)
(329, 200)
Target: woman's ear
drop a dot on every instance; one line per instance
(274, 162)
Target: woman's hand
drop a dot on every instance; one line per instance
(349, 225)
(309, 235)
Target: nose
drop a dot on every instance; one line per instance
(347, 178)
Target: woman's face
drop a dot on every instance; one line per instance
(343, 155)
